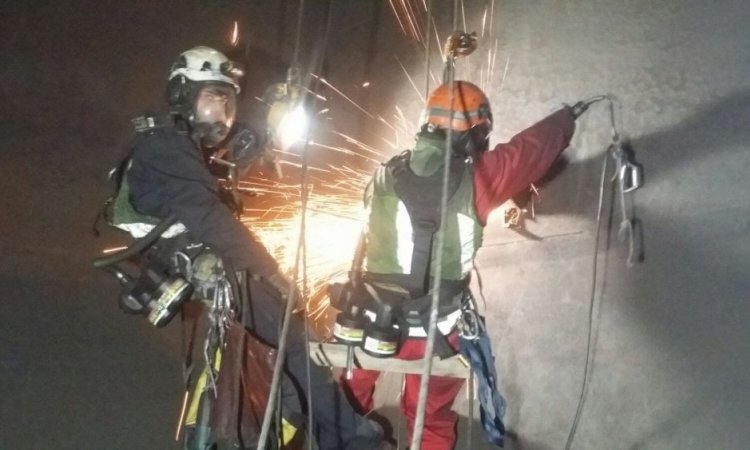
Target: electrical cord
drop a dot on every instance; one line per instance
(592, 298)
(595, 261)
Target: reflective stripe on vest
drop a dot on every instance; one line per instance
(390, 233)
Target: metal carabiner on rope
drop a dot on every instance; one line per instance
(628, 177)
(470, 325)
(458, 44)
(629, 173)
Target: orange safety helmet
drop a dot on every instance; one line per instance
(470, 108)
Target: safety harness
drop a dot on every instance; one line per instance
(421, 197)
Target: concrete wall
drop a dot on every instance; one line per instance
(670, 347)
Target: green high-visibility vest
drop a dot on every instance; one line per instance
(389, 231)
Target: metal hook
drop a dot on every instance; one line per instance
(631, 176)
(178, 255)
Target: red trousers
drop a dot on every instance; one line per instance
(439, 420)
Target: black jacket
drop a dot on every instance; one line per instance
(169, 176)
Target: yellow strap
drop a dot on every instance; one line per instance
(192, 416)
(288, 431)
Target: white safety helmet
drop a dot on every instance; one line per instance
(202, 89)
(206, 64)
(193, 70)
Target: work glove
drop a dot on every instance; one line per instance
(579, 108)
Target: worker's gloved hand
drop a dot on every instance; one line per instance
(579, 108)
(282, 284)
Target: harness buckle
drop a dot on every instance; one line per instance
(469, 325)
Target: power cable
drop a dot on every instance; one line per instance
(592, 298)
(594, 270)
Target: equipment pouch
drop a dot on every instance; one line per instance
(242, 392)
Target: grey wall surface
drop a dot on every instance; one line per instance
(670, 356)
(670, 347)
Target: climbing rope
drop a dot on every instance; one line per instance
(416, 441)
(300, 256)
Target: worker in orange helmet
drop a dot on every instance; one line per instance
(403, 202)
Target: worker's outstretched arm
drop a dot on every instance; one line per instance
(506, 170)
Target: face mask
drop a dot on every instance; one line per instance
(210, 134)
(215, 109)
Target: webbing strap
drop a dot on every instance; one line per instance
(424, 232)
(421, 196)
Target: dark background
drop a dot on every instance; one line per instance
(671, 356)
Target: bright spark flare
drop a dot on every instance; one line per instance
(107, 251)
(235, 37)
(335, 214)
(408, 17)
(344, 96)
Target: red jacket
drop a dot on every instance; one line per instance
(506, 170)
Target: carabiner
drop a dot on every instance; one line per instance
(631, 176)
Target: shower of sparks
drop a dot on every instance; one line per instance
(107, 251)
(332, 227)
(408, 18)
(416, 89)
(235, 37)
(335, 216)
(505, 72)
(344, 96)
(335, 212)
(361, 145)
(487, 75)
(463, 14)
(405, 126)
(398, 17)
(492, 14)
(484, 21)
(438, 40)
